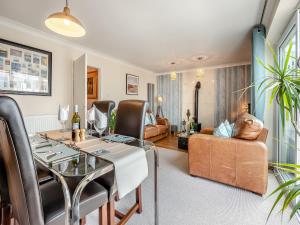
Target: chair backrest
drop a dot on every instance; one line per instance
(18, 162)
(105, 107)
(130, 118)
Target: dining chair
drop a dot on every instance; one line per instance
(34, 204)
(5, 207)
(130, 119)
(105, 107)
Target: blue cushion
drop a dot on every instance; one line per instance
(148, 119)
(153, 120)
(224, 130)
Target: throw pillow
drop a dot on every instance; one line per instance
(148, 119)
(247, 127)
(221, 131)
(229, 128)
(153, 120)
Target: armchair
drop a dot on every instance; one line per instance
(237, 162)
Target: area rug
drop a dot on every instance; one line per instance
(187, 200)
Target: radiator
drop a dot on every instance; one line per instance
(41, 123)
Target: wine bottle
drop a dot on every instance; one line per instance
(75, 121)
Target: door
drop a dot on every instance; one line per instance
(80, 87)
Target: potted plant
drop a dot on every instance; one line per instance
(112, 121)
(284, 85)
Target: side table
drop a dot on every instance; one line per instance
(183, 140)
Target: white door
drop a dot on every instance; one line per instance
(80, 87)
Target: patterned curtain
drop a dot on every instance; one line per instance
(171, 92)
(229, 100)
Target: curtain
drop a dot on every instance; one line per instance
(171, 92)
(229, 100)
(258, 72)
(150, 96)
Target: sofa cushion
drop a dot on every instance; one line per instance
(152, 118)
(151, 131)
(162, 129)
(147, 119)
(224, 130)
(247, 127)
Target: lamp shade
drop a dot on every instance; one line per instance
(65, 24)
(173, 76)
(159, 99)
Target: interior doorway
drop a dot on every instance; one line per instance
(92, 85)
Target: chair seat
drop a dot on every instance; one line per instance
(44, 175)
(92, 197)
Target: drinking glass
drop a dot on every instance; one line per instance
(63, 116)
(91, 119)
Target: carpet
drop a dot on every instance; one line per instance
(187, 200)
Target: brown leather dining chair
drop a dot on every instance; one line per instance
(34, 204)
(130, 122)
(105, 107)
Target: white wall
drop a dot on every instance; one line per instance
(112, 71)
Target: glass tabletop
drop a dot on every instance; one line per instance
(82, 164)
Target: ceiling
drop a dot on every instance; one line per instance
(153, 33)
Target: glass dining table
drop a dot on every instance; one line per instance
(86, 167)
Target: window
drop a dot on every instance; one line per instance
(287, 138)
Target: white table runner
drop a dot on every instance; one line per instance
(130, 162)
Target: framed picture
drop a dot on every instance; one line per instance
(24, 70)
(132, 84)
(92, 85)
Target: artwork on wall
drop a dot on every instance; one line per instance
(92, 85)
(24, 70)
(132, 84)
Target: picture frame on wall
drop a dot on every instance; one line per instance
(24, 70)
(132, 84)
(92, 85)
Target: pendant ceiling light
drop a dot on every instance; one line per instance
(173, 76)
(65, 24)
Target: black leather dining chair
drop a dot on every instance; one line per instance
(105, 107)
(130, 120)
(34, 204)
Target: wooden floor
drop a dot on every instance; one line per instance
(169, 142)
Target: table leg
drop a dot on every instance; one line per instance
(66, 192)
(75, 214)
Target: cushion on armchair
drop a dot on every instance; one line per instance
(224, 130)
(247, 127)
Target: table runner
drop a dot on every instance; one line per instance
(130, 162)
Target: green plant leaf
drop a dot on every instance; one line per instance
(276, 202)
(295, 209)
(287, 57)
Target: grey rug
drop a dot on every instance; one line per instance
(186, 200)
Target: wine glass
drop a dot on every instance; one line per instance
(100, 122)
(63, 116)
(91, 119)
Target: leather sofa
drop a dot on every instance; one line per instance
(232, 161)
(157, 132)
